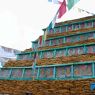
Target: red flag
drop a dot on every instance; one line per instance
(62, 9)
(40, 40)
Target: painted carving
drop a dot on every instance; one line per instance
(83, 70)
(49, 72)
(4, 73)
(28, 73)
(16, 73)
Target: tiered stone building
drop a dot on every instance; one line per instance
(65, 63)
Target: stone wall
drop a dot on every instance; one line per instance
(61, 87)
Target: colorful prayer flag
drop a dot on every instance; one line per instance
(71, 3)
(54, 20)
(59, 14)
(50, 26)
(62, 9)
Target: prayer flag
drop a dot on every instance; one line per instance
(62, 9)
(59, 14)
(54, 20)
(50, 26)
(71, 3)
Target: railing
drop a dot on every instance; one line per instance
(66, 39)
(66, 28)
(26, 56)
(70, 38)
(59, 52)
(73, 26)
(71, 71)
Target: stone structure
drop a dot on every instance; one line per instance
(65, 63)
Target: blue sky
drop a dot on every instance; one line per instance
(22, 21)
